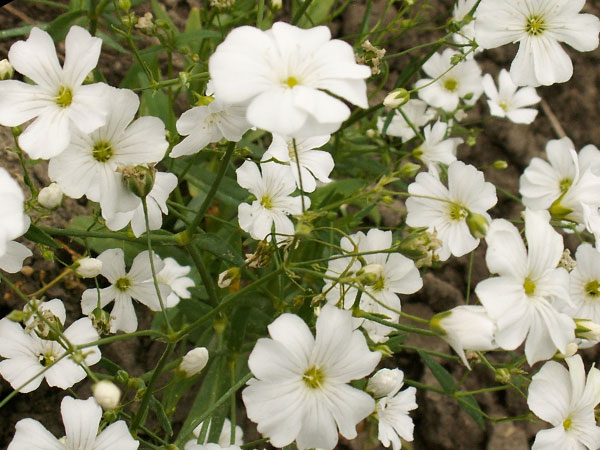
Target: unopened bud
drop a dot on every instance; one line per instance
(397, 97)
(409, 170)
(122, 377)
(500, 165)
(139, 180)
(478, 225)
(194, 361)
(51, 196)
(586, 329)
(88, 267)
(385, 383)
(371, 133)
(558, 211)
(125, 5)
(503, 376)
(6, 70)
(276, 4)
(17, 315)
(570, 350)
(107, 394)
(229, 276)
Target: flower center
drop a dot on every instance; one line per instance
(592, 289)
(529, 286)
(47, 359)
(535, 25)
(565, 184)
(291, 82)
(503, 105)
(457, 212)
(567, 423)
(313, 378)
(123, 284)
(64, 97)
(267, 202)
(102, 151)
(450, 84)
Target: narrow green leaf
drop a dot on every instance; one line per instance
(469, 405)
(218, 247)
(161, 415)
(59, 27)
(442, 375)
(35, 234)
(160, 13)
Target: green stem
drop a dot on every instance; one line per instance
(207, 280)
(481, 391)
(213, 190)
(301, 11)
(156, 238)
(398, 326)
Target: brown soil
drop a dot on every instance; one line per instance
(439, 423)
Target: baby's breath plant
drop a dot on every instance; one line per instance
(283, 191)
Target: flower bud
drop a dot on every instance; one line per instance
(465, 327)
(51, 196)
(478, 225)
(139, 180)
(586, 329)
(6, 70)
(503, 375)
(570, 350)
(229, 276)
(500, 165)
(194, 361)
(409, 170)
(558, 211)
(276, 4)
(107, 394)
(125, 5)
(397, 97)
(88, 267)
(385, 383)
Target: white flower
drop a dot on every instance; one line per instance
(467, 33)
(392, 414)
(89, 267)
(58, 101)
(224, 437)
(210, 123)
(136, 284)
(465, 327)
(564, 184)
(462, 81)
(156, 200)
(584, 286)
(416, 111)
(566, 400)
(314, 164)
(194, 361)
(82, 420)
(447, 210)
(13, 223)
(509, 102)
(524, 297)
(27, 354)
(437, 148)
(51, 196)
(174, 276)
(538, 26)
(194, 446)
(283, 74)
(107, 394)
(384, 276)
(6, 70)
(89, 166)
(301, 392)
(15, 254)
(386, 382)
(272, 189)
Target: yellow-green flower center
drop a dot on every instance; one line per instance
(529, 286)
(592, 288)
(267, 202)
(567, 423)
(535, 25)
(313, 377)
(565, 184)
(450, 84)
(123, 284)
(47, 359)
(291, 82)
(64, 97)
(457, 212)
(503, 105)
(102, 151)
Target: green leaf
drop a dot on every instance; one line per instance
(160, 13)
(442, 375)
(59, 27)
(161, 415)
(214, 244)
(19, 31)
(316, 13)
(469, 405)
(35, 234)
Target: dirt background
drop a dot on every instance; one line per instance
(439, 423)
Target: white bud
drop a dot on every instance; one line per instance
(194, 361)
(6, 70)
(396, 98)
(276, 4)
(107, 394)
(385, 383)
(51, 196)
(586, 329)
(89, 267)
(227, 277)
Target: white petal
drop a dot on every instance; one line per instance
(81, 55)
(20, 102)
(81, 419)
(36, 58)
(48, 135)
(115, 436)
(32, 435)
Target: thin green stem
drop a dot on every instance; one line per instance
(207, 280)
